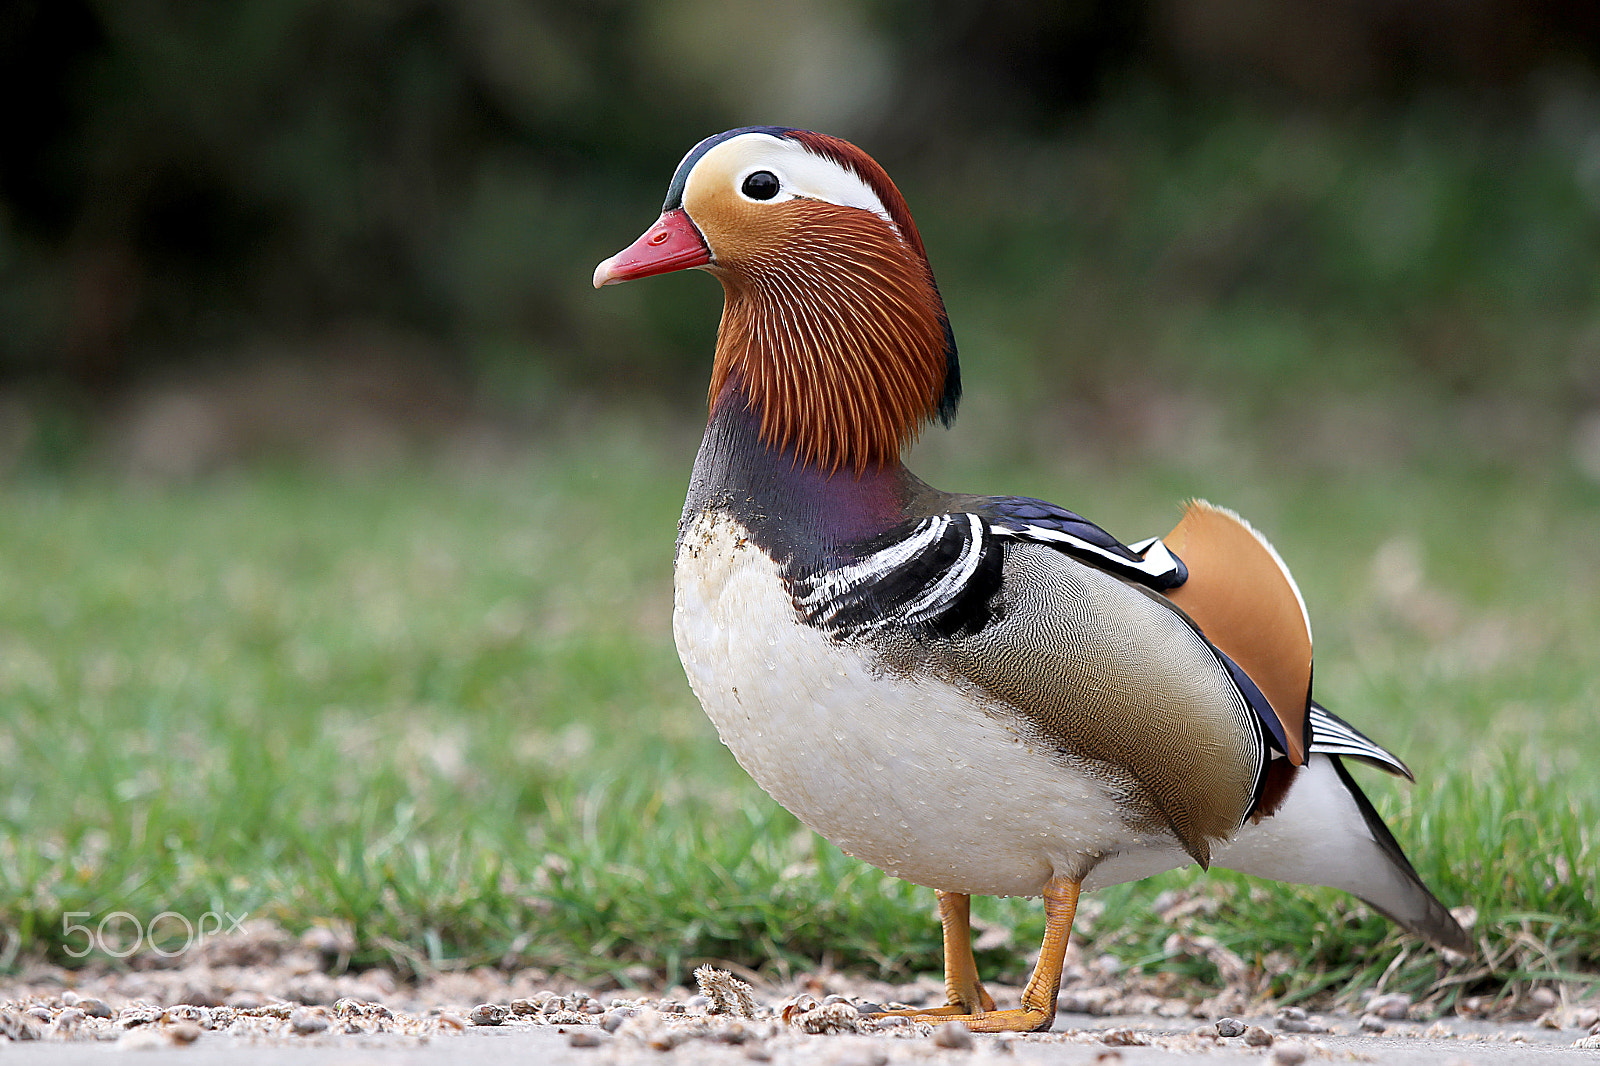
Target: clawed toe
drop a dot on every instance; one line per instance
(1023, 1020)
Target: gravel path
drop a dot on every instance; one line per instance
(265, 997)
(651, 1037)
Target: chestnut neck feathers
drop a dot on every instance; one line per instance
(833, 329)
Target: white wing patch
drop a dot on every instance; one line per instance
(1157, 561)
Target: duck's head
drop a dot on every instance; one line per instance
(833, 330)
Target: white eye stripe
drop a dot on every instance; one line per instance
(800, 174)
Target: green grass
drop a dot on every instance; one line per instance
(438, 705)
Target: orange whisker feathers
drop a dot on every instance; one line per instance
(838, 339)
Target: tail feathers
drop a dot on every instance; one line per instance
(1418, 909)
(1326, 832)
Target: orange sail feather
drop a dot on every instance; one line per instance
(1241, 596)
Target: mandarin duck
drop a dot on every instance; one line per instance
(982, 694)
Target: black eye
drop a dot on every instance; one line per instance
(762, 185)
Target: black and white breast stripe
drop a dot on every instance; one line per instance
(935, 575)
(938, 574)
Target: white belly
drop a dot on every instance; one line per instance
(934, 783)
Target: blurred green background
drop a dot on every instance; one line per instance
(234, 228)
(336, 508)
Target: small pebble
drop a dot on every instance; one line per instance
(1543, 999)
(184, 1033)
(488, 1014)
(586, 1037)
(1108, 1055)
(40, 1014)
(666, 1039)
(1123, 1038)
(612, 1020)
(1230, 1027)
(1287, 1055)
(735, 1033)
(801, 1004)
(757, 1053)
(143, 1039)
(1392, 1006)
(523, 1007)
(219, 1018)
(322, 940)
(1295, 1020)
(1371, 1023)
(94, 1008)
(832, 1018)
(1301, 1025)
(69, 998)
(451, 1021)
(1256, 1036)
(305, 1023)
(953, 1035)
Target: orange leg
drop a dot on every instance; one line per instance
(963, 991)
(1038, 1008)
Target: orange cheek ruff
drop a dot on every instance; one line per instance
(835, 331)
